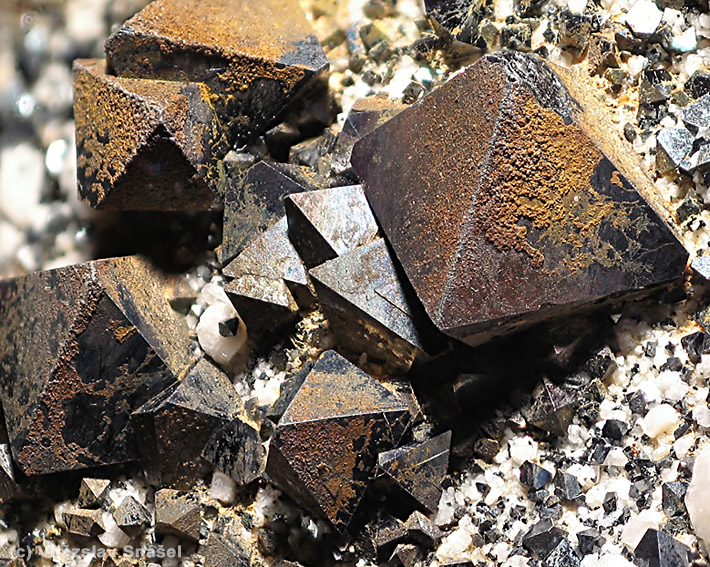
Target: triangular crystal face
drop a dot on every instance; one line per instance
(330, 222)
(97, 340)
(207, 390)
(335, 388)
(419, 469)
(334, 459)
(145, 145)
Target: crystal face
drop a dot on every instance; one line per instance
(530, 218)
(80, 348)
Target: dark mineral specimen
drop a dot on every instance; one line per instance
(146, 145)
(329, 223)
(192, 408)
(673, 148)
(552, 408)
(254, 57)
(422, 530)
(406, 555)
(417, 470)
(655, 87)
(534, 476)
(387, 532)
(695, 344)
(698, 84)
(590, 541)
(324, 451)
(575, 30)
(658, 549)
(465, 20)
(131, 516)
(533, 210)
(9, 489)
(369, 307)
(563, 555)
(80, 348)
(254, 203)
(236, 448)
(614, 429)
(86, 523)
(270, 281)
(567, 487)
(93, 492)
(226, 550)
(177, 513)
(697, 114)
(674, 498)
(542, 538)
(287, 391)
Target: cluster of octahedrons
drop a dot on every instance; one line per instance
(532, 211)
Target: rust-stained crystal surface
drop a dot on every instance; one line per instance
(507, 204)
(80, 348)
(190, 409)
(255, 57)
(146, 145)
(324, 451)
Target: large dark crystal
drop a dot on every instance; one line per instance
(552, 409)
(658, 549)
(365, 115)
(80, 348)
(146, 145)
(131, 516)
(194, 407)
(324, 451)
(226, 550)
(534, 476)
(93, 492)
(177, 513)
(236, 448)
(85, 523)
(543, 537)
(533, 211)
(254, 57)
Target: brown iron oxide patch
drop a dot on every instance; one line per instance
(542, 183)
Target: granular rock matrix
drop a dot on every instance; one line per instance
(370, 282)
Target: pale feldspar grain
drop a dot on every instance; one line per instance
(696, 499)
(661, 419)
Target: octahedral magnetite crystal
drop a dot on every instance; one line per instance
(417, 471)
(270, 281)
(324, 451)
(255, 202)
(255, 57)
(80, 348)
(370, 307)
(507, 202)
(146, 145)
(328, 223)
(177, 513)
(190, 409)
